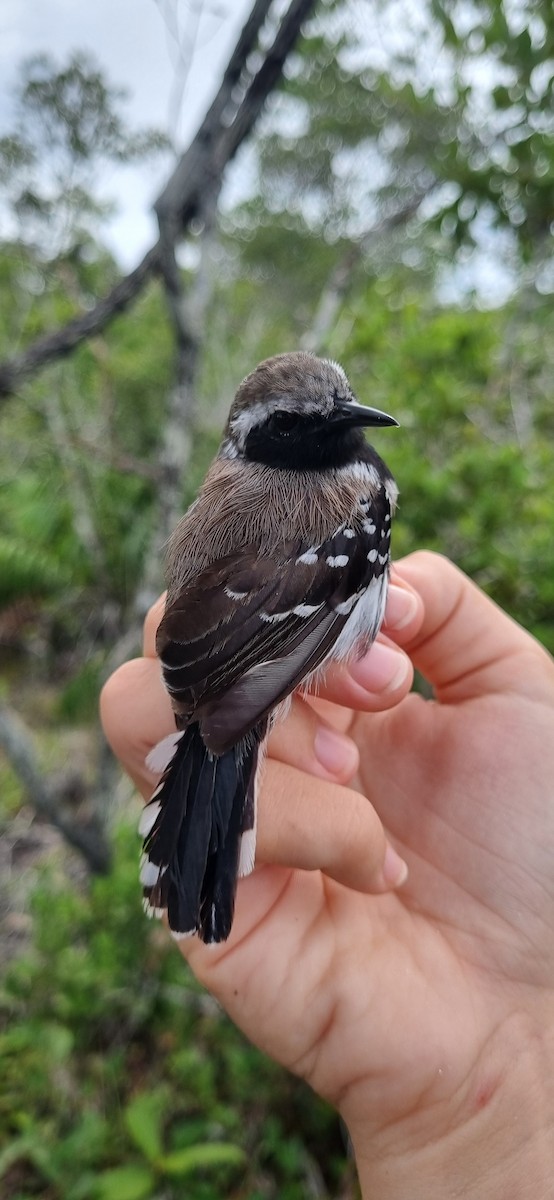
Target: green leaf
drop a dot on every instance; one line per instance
(125, 1183)
(144, 1119)
(13, 1151)
(26, 571)
(202, 1157)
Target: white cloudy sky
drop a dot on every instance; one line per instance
(133, 42)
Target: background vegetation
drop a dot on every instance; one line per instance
(389, 178)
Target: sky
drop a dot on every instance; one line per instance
(138, 47)
(148, 46)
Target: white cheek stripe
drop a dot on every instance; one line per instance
(256, 414)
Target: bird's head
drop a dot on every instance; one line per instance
(298, 412)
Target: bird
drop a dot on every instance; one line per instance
(279, 566)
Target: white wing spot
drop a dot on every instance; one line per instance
(148, 818)
(161, 754)
(150, 910)
(338, 560)
(234, 595)
(305, 610)
(369, 526)
(150, 874)
(372, 555)
(309, 557)
(387, 518)
(383, 558)
(247, 856)
(278, 616)
(348, 605)
(349, 533)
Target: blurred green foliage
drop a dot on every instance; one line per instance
(121, 1079)
(473, 456)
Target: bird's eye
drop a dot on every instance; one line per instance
(283, 422)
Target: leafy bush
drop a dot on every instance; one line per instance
(473, 485)
(121, 1079)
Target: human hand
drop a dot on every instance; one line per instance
(424, 1015)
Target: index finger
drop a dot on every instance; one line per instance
(466, 645)
(377, 681)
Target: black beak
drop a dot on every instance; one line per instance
(350, 413)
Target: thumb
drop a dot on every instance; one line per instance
(466, 645)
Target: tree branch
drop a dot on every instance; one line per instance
(17, 744)
(340, 278)
(63, 341)
(199, 169)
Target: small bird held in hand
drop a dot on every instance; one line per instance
(279, 566)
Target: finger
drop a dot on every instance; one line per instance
(317, 825)
(375, 682)
(310, 743)
(378, 681)
(136, 714)
(403, 611)
(303, 822)
(383, 676)
(466, 645)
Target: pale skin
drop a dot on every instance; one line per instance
(424, 1009)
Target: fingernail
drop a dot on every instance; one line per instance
(395, 870)
(334, 751)
(401, 607)
(383, 669)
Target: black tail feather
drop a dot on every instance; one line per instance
(199, 813)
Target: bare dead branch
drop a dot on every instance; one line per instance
(342, 274)
(17, 744)
(198, 172)
(182, 188)
(188, 312)
(63, 341)
(125, 464)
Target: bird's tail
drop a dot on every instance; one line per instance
(199, 832)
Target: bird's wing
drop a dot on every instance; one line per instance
(246, 631)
